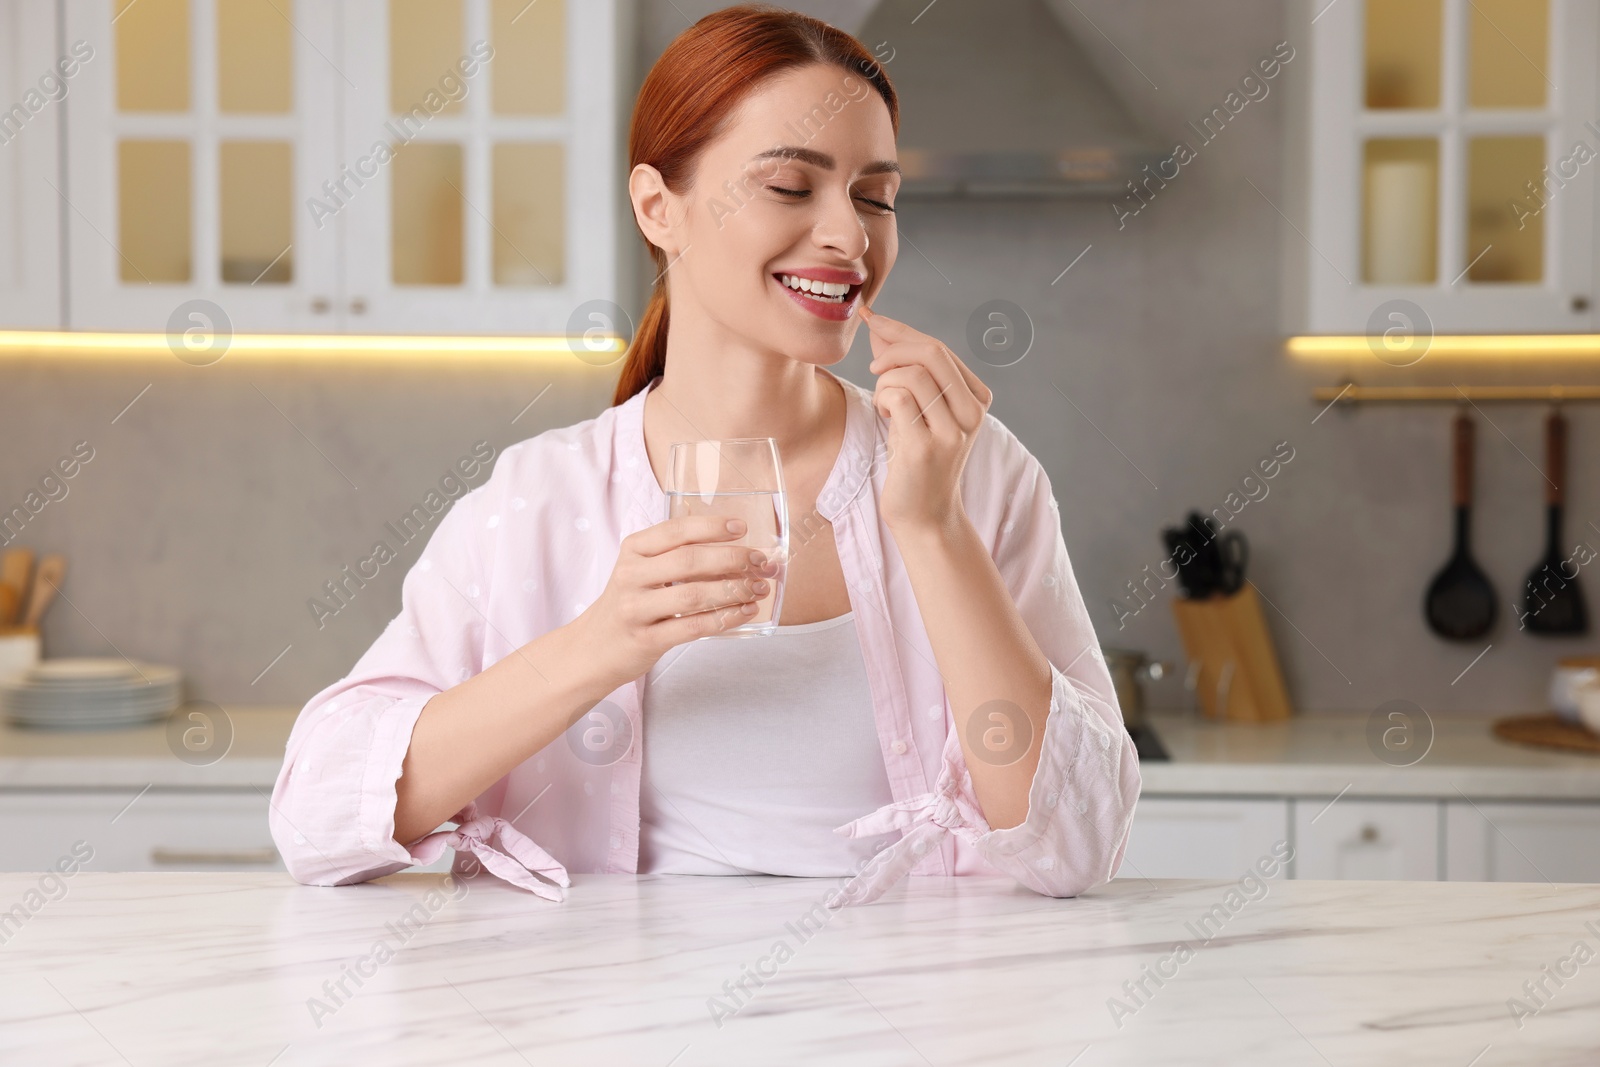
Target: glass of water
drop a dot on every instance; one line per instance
(739, 478)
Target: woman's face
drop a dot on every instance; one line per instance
(801, 183)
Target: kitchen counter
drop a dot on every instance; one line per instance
(1307, 755)
(1328, 754)
(242, 968)
(144, 756)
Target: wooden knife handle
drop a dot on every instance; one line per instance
(1463, 460)
(1555, 458)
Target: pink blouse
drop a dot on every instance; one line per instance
(533, 546)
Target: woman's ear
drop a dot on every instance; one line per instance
(652, 203)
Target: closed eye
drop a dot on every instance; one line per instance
(800, 194)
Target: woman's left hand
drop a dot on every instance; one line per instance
(935, 406)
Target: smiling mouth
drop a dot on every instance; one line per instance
(845, 298)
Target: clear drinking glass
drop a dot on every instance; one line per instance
(739, 478)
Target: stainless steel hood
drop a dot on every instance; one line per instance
(997, 98)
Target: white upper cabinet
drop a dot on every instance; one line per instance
(191, 150)
(36, 76)
(496, 210)
(1448, 159)
(371, 166)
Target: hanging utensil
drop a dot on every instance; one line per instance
(1552, 603)
(1460, 604)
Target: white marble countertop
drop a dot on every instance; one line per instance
(1320, 755)
(204, 969)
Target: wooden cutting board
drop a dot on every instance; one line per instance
(1547, 731)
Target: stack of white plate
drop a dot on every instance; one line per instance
(90, 693)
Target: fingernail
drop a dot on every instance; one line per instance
(736, 526)
(759, 586)
(757, 558)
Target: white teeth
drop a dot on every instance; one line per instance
(833, 292)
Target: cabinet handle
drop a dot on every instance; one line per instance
(358, 306)
(1369, 832)
(320, 305)
(240, 858)
(1580, 303)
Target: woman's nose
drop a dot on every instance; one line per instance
(841, 227)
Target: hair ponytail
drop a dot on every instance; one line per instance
(647, 354)
(687, 98)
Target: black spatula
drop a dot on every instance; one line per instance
(1552, 604)
(1460, 604)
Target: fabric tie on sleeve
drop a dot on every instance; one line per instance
(504, 851)
(925, 820)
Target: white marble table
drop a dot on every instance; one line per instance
(176, 969)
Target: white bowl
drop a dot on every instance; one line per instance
(1565, 681)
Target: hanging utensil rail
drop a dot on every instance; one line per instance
(1425, 394)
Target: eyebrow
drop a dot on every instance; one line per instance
(823, 160)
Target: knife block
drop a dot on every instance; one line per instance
(1239, 677)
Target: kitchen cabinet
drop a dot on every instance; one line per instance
(1442, 167)
(160, 830)
(157, 830)
(1366, 839)
(33, 90)
(367, 166)
(1195, 837)
(1522, 842)
(1411, 839)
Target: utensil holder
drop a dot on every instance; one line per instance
(19, 649)
(1239, 676)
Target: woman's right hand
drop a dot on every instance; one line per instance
(640, 616)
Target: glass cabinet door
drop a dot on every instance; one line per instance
(1452, 163)
(198, 140)
(32, 89)
(477, 133)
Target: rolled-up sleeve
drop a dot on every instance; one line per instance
(1082, 798)
(1081, 802)
(333, 805)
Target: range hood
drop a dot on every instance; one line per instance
(998, 98)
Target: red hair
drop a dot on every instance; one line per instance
(687, 99)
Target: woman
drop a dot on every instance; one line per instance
(934, 701)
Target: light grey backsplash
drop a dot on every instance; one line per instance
(220, 503)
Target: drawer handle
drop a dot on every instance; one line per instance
(1369, 832)
(245, 857)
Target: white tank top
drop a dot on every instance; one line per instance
(755, 748)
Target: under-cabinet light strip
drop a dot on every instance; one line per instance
(1444, 394)
(1577, 346)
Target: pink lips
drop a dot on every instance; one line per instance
(824, 309)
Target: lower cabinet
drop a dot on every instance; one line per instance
(1504, 842)
(187, 830)
(1200, 837)
(1367, 839)
(1421, 839)
(121, 830)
